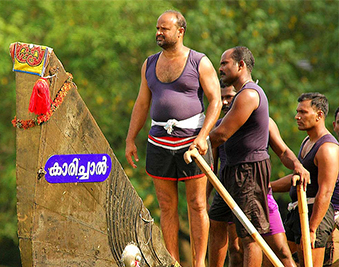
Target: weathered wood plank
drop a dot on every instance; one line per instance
(75, 224)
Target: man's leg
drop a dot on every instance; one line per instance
(235, 249)
(328, 258)
(276, 238)
(217, 248)
(317, 256)
(336, 246)
(196, 199)
(252, 252)
(167, 195)
(279, 245)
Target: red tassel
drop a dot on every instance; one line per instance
(40, 102)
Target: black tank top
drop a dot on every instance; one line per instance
(308, 163)
(250, 142)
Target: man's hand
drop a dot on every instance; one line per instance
(131, 151)
(200, 144)
(304, 176)
(313, 237)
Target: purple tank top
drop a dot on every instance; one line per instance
(250, 142)
(308, 163)
(180, 99)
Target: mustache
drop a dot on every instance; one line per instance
(225, 108)
(221, 73)
(156, 37)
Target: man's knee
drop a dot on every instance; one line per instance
(248, 242)
(168, 207)
(197, 204)
(235, 251)
(218, 229)
(279, 244)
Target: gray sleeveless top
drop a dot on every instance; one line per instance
(180, 99)
(308, 163)
(250, 142)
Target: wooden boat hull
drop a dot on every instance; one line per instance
(75, 224)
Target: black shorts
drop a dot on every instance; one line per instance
(167, 164)
(247, 183)
(325, 228)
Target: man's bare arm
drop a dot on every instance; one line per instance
(327, 160)
(243, 106)
(285, 154)
(138, 118)
(282, 185)
(211, 86)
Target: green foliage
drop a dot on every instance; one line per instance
(104, 43)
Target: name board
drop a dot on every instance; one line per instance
(78, 168)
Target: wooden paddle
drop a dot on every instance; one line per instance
(304, 223)
(232, 204)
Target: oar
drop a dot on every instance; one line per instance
(305, 228)
(232, 204)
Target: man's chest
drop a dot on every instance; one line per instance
(306, 149)
(170, 70)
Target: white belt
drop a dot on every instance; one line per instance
(293, 205)
(193, 123)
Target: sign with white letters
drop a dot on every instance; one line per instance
(78, 168)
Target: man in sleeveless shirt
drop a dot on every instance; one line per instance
(275, 238)
(335, 197)
(319, 153)
(245, 131)
(173, 83)
(332, 247)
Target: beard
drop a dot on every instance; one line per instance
(163, 43)
(225, 108)
(227, 80)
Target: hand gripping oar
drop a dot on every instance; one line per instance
(232, 204)
(305, 228)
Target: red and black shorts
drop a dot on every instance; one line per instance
(169, 164)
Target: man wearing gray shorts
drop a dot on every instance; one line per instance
(319, 153)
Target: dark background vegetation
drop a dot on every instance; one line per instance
(104, 43)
